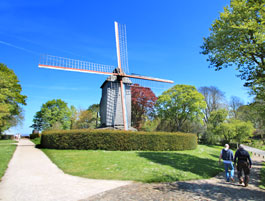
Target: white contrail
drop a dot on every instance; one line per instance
(17, 47)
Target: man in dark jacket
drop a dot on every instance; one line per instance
(227, 156)
(244, 163)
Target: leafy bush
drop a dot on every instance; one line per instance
(117, 140)
(33, 136)
(6, 137)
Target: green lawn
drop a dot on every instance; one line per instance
(7, 141)
(36, 140)
(6, 152)
(262, 177)
(145, 166)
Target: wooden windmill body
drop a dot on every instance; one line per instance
(111, 113)
(115, 104)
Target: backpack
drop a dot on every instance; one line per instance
(242, 155)
(226, 155)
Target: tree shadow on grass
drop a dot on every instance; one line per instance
(200, 166)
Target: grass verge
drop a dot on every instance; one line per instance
(7, 141)
(144, 166)
(262, 177)
(6, 152)
(36, 141)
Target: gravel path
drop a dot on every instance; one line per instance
(31, 176)
(209, 189)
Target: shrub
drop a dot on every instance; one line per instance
(33, 136)
(117, 140)
(6, 137)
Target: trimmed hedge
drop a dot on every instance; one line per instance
(6, 137)
(117, 140)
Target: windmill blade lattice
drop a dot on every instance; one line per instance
(123, 47)
(61, 63)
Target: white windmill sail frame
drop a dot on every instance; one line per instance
(62, 63)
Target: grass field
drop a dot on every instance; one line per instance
(262, 175)
(36, 140)
(6, 152)
(7, 141)
(144, 166)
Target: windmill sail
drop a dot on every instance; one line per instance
(121, 45)
(61, 63)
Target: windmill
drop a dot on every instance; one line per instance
(115, 105)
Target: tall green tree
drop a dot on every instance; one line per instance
(255, 113)
(54, 114)
(88, 118)
(237, 37)
(212, 134)
(11, 99)
(244, 130)
(179, 104)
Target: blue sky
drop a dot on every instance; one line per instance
(164, 39)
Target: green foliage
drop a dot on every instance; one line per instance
(238, 37)
(243, 130)
(179, 104)
(74, 114)
(221, 129)
(226, 132)
(54, 114)
(33, 136)
(150, 125)
(82, 119)
(217, 117)
(143, 166)
(117, 140)
(6, 137)
(262, 176)
(233, 130)
(255, 113)
(10, 99)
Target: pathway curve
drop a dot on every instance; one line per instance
(31, 176)
(258, 152)
(209, 189)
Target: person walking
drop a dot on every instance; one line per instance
(227, 156)
(243, 163)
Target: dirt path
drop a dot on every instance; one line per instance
(209, 189)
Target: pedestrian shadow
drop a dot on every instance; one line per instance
(213, 191)
(204, 167)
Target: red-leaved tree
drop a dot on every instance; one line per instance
(143, 101)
